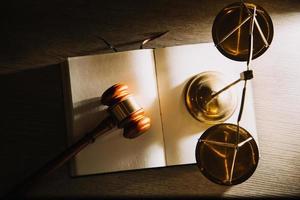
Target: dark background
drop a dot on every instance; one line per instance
(36, 35)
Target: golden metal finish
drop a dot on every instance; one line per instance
(124, 108)
(224, 158)
(232, 26)
(202, 102)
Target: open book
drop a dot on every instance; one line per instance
(157, 78)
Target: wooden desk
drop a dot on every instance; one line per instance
(32, 124)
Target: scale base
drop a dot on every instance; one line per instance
(200, 102)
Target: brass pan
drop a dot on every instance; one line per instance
(236, 46)
(222, 159)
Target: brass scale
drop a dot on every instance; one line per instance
(227, 154)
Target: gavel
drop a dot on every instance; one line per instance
(124, 112)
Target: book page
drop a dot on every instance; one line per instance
(175, 67)
(90, 76)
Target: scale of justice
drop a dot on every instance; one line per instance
(226, 153)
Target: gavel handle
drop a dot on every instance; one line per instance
(63, 157)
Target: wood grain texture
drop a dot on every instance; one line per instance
(35, 33)
(32, 116)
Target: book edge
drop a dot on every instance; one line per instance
(68, 108)
(159, 104)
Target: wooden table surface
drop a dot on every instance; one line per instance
(32, 123)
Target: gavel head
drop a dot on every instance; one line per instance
(123, 107)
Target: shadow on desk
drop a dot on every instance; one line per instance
(32, 126)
